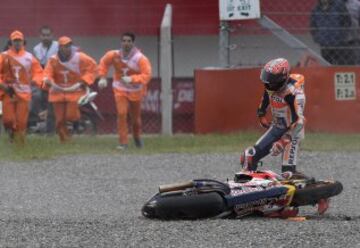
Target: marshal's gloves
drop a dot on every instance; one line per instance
(126, 79)
(279, 146)
(102, 83)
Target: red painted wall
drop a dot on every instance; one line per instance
(227, 100)
(111, 17)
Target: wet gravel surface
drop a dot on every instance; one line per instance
(95, 201)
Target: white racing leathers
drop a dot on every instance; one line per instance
(287, 107)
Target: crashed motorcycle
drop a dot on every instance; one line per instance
(261, 193)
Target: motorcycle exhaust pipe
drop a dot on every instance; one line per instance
(175, 186)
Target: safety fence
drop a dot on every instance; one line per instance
(183, 107)
(329, 28)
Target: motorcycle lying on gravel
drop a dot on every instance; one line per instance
(261, 192)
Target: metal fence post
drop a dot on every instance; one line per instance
(166, 71)
(224, 54)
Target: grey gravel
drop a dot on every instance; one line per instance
(95, 201)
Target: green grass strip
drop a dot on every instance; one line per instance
(43, 147)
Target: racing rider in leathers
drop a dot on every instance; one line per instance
(284, 93)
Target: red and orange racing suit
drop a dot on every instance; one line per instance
(287, 107)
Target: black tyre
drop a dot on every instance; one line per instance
(179, 206)
(312, 193)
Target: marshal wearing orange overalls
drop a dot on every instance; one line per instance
(131, 76)
(66, 75)
(18, 69)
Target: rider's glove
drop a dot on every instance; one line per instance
(262, 119)
(126, 79)
(102, 83)
(279, 146)
(264, 122)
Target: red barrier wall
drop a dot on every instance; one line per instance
(112, 17)
(226, 100)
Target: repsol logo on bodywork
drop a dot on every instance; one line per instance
(255, 205)
(243, 190)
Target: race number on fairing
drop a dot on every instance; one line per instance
(345, 86)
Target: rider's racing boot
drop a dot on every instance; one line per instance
(247, 159)
(290, 172)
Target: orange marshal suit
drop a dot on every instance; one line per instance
(137, 66)
(79, 68)
(18, 70)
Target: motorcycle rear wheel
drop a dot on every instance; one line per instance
(312, 193)
(179, 206)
